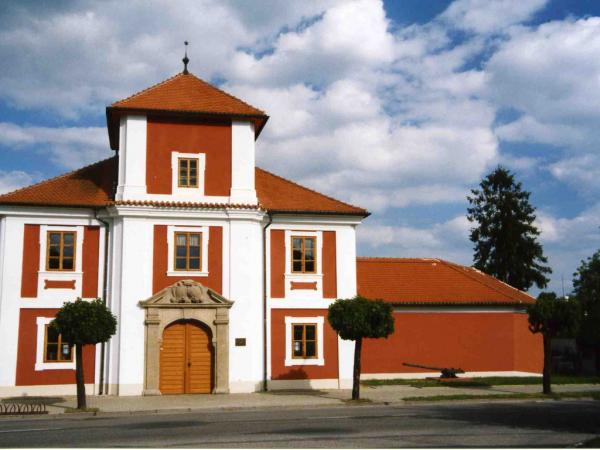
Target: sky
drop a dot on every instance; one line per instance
(400, 107)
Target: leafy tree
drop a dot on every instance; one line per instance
(505, 238)
(550, 315)
(80, 323)
(357, 318)
(586, 290)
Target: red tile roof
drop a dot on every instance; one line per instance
(432, 281)
(92, 186)
(183, 93)
(278, 194)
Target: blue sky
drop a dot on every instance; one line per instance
(400, 106)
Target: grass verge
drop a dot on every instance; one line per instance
(70, 410)
(485, 381)
(515, 396)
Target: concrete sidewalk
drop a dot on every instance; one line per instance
(392, 394)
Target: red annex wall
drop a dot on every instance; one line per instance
(214, 280)
(472, 341)
(31, 261)
(330, 348)
(212, 139)
(26, 350)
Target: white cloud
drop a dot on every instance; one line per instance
(551, 74)
(350, 37)
(484, 16)
(9, 181)
(582, 173)
(567, 241)
(75, 60)
(447, 240)
(69, 147)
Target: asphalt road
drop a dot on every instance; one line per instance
(498, 424)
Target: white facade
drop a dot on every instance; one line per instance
(135, 223)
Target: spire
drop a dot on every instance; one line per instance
(185, 60)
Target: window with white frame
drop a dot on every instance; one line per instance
(304, 341)
(188, 174)
(187, 250)
(304, 254)
(52, 352)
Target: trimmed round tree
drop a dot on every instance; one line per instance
(357, 318)
(550, 315)
(81, 323)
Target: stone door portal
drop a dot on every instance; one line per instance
(187, 340)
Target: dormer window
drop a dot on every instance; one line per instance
(188, 172)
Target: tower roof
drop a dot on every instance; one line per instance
(184, 94)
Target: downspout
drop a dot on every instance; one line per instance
(265, 300)
(104, 294)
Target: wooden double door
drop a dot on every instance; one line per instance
(186, 359)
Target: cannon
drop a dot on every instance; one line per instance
(447, 372)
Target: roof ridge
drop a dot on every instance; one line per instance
(393, 258)
(311, 190)
(454, 266)
(48, 180)
(147, 89)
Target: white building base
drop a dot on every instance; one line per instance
(43, 390)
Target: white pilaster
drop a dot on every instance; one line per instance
(243, 156)
(135, 241)
(11, 261)
(346, 288)
(132, 158)
(245, 289)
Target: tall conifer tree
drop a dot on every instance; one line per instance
(505, 238)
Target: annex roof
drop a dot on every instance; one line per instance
(184, 93)
(425, 281)
(93, 187)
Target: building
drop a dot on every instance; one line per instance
(447, 315)
(220, 273)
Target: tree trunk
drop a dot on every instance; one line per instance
(547, 364)
(81, 404)
(356, 377)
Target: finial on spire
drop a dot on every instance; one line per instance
(185, 59)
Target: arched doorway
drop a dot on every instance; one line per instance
(186, 359)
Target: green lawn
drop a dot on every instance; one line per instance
(538, 395)
(485, 381)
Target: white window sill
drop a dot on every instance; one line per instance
(55, 366)
(62, 273)
(186, 273)
(305, 362)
